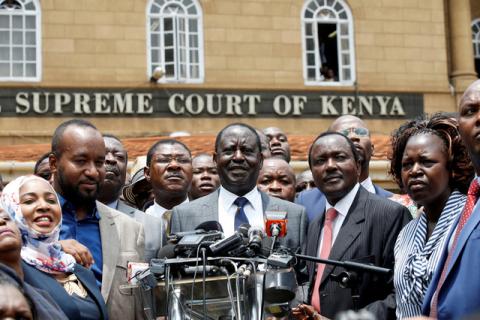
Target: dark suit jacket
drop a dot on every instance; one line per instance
(188, 216)
(367, 235)
(459, 296)
(39, 279)
(314, 200)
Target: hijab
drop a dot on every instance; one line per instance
(41, 250)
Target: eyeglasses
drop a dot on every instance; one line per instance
(359, 132)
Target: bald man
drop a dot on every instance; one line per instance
(277, 179)
(356, 130)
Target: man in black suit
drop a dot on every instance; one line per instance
(354, 225)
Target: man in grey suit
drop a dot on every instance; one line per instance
(239, 159)
(77, 163)
(353, 225)
(116, 160)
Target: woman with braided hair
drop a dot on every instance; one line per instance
(431, 164)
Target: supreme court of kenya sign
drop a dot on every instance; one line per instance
(206, 103)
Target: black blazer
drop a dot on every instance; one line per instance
(367, 235)
(42, 280)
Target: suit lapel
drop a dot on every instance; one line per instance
(471, 224)
(349, 231)
(110, 248)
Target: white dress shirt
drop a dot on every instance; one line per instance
(368, 184)
(157, 210)
(342, 208)
(227, 210)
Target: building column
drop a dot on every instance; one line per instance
(462, 71)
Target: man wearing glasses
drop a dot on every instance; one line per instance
(354, 128)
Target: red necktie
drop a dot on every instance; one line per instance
(472, 197)
(324, 253)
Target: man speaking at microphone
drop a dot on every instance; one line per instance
(239, 159)
(354, 225)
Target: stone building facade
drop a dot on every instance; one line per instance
(98, 55)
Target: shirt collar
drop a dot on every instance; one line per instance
(68, 207)
(253, 197)
(159, 208)
(368, 184)
(344, 204)
(113, 204)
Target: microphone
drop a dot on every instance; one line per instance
(167, 252)
(276, 223)
(210, 226)
(255, 237)
(230, 243)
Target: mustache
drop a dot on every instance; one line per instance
(114, 169)
(174, 175)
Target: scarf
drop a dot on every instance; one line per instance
(39, 250)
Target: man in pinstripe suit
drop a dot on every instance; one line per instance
(363, 229)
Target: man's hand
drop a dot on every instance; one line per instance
(81, 253)
(306, 312)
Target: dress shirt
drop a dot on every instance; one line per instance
(86, 231)
(227, 210)
(342, 208)
(157, 210)
(368, 184)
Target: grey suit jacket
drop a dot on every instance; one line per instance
(152, 227)
(367, 235)
(188, 216)
(122, 241)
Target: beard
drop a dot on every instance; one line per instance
(72, 192)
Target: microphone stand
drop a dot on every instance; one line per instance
(348, 278)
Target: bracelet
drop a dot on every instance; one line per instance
(314, 315)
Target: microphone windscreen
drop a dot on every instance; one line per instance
(210, 226)
(166, 252)
(243, 229)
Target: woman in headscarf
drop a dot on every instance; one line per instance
(429, 162)
(33, 204)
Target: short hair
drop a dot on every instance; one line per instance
(114, 137)
(157, 144)
(331, 133)
(446, 128)
(40, 160)
(9, 279)
(57, 135)
(238, 124)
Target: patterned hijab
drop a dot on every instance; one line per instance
(39, 250)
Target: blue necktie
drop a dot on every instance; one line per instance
(240, 216)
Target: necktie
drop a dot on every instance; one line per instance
(324, 253)
(240, 216)
(472, 197)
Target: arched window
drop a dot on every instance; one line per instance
(175, 40)
(476, 44)
(20, 46)
(328, 49)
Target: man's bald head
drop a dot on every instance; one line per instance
(278, 142)
(356, 130)
(469, 122)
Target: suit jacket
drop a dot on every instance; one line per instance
(188, 216)
(314, 200)
(46, 308)
(45, 281)
(122, 241)
(459, 296)
(367, 235)
(152, 226)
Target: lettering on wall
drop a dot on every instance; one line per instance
(204, 103)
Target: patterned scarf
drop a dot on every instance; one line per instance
(39, 250)
(418, 273)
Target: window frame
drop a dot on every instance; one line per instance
(476, 38)
(315, 21)
(38, 45)
(187, 18)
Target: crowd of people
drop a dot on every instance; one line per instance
(68, 230)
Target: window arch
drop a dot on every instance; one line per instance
(20, 45)
(327, 39)
(175, 40)
(476, 44)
